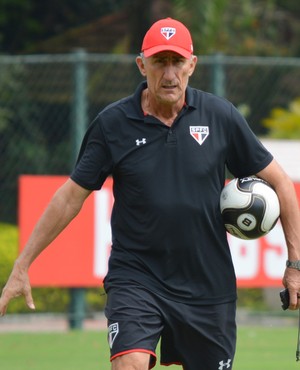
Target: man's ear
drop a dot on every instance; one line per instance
(141, 65)
(193, 65)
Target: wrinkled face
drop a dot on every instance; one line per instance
(167, 75)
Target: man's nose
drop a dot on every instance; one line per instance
(169, 71)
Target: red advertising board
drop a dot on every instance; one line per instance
(72, 259)
(78, 257)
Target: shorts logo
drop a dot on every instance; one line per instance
(224, 365)
(168, 32)
(113, 331)
(199, 133)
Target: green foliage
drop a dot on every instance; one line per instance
(95, 299)
(28, 145)
(251, 298)
(23, 23)
(284, 123)
(8, 250)
(248, 27)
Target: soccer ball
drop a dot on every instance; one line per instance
(250, 207)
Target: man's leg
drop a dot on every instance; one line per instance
(131, 361)
(200, 337)
(134, 327)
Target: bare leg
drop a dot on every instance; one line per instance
(131, 361)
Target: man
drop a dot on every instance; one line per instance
(170, 272)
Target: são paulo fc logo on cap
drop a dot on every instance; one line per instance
(168, 32)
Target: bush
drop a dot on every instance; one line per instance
(8, 250)
(252, 298)
(284, 123)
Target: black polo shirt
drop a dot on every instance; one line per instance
(167, 230)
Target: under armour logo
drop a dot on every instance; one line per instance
(223, 364)
(139, 142)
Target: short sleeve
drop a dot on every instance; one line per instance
(94, 162)
(246, 154)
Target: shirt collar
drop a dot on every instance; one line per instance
(136, 111)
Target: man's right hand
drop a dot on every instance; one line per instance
(18, 284)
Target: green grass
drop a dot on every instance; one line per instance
(266, 349)
(258, 348)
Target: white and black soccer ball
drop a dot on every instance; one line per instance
(250, 207)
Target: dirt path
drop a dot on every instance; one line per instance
(47, 323)
(59, 323)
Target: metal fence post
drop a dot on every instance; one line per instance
(79, 102)
(77, 310)
(218, 75)
(219, 84)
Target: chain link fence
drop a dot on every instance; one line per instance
(47, 101)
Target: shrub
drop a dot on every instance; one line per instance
(284, 123)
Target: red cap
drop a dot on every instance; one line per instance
(168, 34)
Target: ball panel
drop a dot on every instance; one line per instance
(237, 216)
(247, 184)
(235, 232)
(231, 197)
(249, 207)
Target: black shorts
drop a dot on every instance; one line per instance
(196, 337)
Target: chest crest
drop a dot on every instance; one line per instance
(199, 133)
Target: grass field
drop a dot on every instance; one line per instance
(259, 348)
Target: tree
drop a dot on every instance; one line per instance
(248, 27)
(23, 23)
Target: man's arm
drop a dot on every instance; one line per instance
(63, 207)
(290, 220)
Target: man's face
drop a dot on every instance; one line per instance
(167, 75)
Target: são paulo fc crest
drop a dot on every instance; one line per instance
(199, 133)
(113, 331)
(168, 32)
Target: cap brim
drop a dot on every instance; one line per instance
(157, 49)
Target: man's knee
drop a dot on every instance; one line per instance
(131, 361)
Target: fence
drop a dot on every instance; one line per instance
(47, 101)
